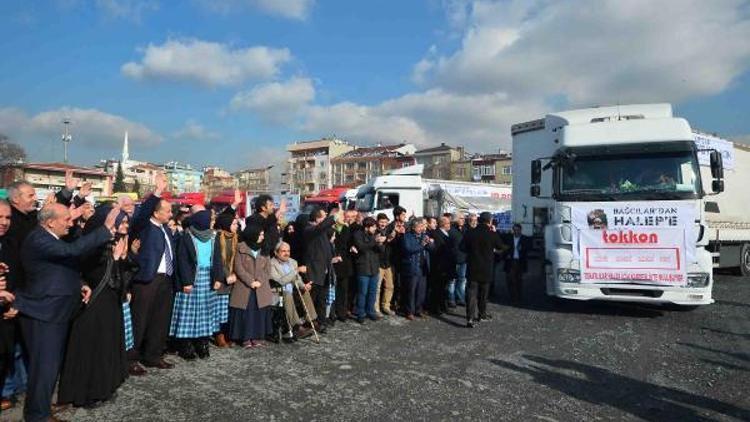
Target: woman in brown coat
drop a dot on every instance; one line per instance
(251, 297)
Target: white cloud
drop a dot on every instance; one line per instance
(599, 51)
(195, 131)
(207, 63)
(276, 102)
(290, 9)
(519, 59)
(132, 10)
(90, 128)
(127, 9)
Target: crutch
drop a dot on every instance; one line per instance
(307, 314)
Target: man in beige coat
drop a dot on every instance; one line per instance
(286, 272)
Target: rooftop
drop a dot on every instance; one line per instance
(62, 167)
(441, 148)
(314, 144)
(376, 151)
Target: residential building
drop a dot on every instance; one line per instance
(182, 178)
(309, 166)
(437, 160)
(50, 177)
(488, 168)
(216, 180)
(257, 180)
(361, 164)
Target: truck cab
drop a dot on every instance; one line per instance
(590, 184)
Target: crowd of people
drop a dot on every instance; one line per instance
(91, 295)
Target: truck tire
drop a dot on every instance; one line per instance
(745, 260)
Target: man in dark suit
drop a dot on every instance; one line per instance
(480, 245)
(318, 259)
(443, 266)
(152, 287)
(50, 297)
(516, 262)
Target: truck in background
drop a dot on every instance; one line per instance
(727, 215)
(324, 199)
(405, 187)
(614, 198)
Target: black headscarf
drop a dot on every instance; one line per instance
(100, 216)
(251, 234)
(224, 222)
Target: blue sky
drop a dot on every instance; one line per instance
(230, 82)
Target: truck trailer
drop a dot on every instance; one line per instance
(420, 197)
(615, 198)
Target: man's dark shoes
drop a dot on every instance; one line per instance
(470, 324)
(161, 364)
(201, 349)
(136, 369)
(303, 332)
(361, 320)
(451, 305)
(485, 317)
(186, 351)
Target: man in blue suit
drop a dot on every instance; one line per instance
(152, 286)
(50, 297)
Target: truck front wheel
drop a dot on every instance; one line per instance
(745, 260)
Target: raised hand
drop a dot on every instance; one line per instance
(75, 213)
(161, 184)
(109, 222)
(85, 190)
(70, 182)
(50, 199)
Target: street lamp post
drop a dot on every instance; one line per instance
(66, 138)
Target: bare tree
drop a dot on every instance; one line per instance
(10, 152)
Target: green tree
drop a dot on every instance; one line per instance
(10, 152)
(119, 185)
(137, 187)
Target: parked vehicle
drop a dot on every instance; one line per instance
(429, 197)
(614, 197)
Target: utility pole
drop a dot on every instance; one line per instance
(66, 137)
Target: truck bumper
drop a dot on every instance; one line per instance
(635, 293)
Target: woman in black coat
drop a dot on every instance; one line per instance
(95, 360)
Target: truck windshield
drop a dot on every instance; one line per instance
(665, 175)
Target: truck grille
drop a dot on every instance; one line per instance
(632, 292)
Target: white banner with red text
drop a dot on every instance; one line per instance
(636, 255)
(617, 216)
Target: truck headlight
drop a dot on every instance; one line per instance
(697, 279)
(565, 275)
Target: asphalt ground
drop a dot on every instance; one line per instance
(544, 361)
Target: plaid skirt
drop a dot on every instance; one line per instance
(221, 309)
(193, 313)
(128, 325)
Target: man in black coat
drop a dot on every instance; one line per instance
(318, 259)
(443, 266)
(268, 217)
(8, 261)
(480, 245)
(516, 262)
(50, 297)
(345, 267)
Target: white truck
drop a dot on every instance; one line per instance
(429, 197)
(614, 197)
(728, 215)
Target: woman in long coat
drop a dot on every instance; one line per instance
(227, 240)
(251, 297)
(95, 361)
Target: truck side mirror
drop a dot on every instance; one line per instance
(535, 191)
(536, 172)
(717, 186)
(717, 165)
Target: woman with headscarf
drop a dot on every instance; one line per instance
(95, 361)
(227, 240)
(251, 297)
(199, 267)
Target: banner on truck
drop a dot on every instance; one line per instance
(644, 255)
(620, 216)
(708, 142)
